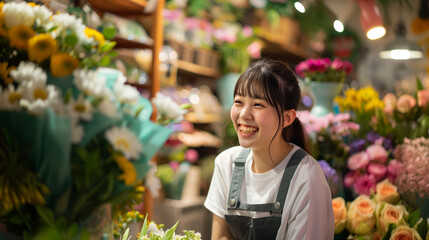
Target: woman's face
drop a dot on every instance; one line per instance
(255, 122)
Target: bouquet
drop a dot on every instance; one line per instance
(74, 137)
(324, 70)
(381, 216)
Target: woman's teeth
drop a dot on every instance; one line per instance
(248, 129)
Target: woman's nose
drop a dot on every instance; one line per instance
(246, 113)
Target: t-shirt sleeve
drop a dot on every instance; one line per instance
(219, 187)
(312, 216)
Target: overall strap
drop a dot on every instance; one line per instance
(237, 178)
(287, 177)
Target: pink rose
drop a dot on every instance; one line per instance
(191, 155)
(377, 153)
(365, 184)
(389, 103)
(392, 169)
(405, 103)
(337, 64)
(301, 68)
(423, 97)
(378, 170)
(247, 31)
(254, 49)
(358, 161)
(174, 165)
(350, 178)
(318, 65)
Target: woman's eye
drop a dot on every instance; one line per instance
(258, 105)
(237, 102)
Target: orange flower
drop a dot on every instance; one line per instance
(340, 214)
(19, 36)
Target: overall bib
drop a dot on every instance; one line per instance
(243, 227)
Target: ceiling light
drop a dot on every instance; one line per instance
(299, 7)
(370, 19)
(338, 26)
(401, 48)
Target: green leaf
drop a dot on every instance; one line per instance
(71, 39)
(125, 236)
(143, 231)
(389, 231)
(108, 45)
(414, 218)
(47, 215)
(105, 60)
(170, 232)
(423, 228)
(419, 84)
(109, 31)
(113, 54)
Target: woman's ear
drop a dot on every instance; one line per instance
(288, 117)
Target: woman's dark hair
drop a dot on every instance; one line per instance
(274, 82)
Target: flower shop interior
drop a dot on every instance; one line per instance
(112, 112)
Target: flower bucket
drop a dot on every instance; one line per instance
(324, 94)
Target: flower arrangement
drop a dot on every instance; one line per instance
(381, 216)
(324, 70)
(330, 135)
(237, 45)
(153, 231)
(369, 163)
(412, 180)
(76, 135)
(366, 108)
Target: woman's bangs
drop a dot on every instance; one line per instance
(254, 86)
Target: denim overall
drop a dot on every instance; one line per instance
(243, 227)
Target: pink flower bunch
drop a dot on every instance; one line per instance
(323, 69)
(368, 167)
(337, 126)
(414, 156)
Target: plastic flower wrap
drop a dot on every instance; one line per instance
(79, 135)
(324, 69)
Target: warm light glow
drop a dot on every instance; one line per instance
(338, 26)
(376, 33)
(401, 54)
(299, 7)
(194, 99)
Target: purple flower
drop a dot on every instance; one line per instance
(357, 145)
(372, 137)
(328, 170)
(365, 184)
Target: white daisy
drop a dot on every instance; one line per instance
(80, 108)
(108, 108)
(90, 83)
(125, 93)
(37, 97)
(42, 15)
(28, 71)
(10, 97)
(18, 13)
(167, 108)
(125, 141)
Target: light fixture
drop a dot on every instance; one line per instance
(370, 19)
(338, 26)
(400, 48)
(299, 7)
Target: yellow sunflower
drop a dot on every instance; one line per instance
(98, 37)
(41, 47)
(129, 174)
(63, 64)
(19, 36)
(4, 72)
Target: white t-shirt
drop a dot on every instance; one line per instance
(307, 212)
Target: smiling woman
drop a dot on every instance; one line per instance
(269, 187)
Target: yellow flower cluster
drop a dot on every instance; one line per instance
(359, 101)
(129, 174)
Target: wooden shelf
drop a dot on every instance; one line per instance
(120, 7)
(125, 43)
(284, 51)
(198, 69)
